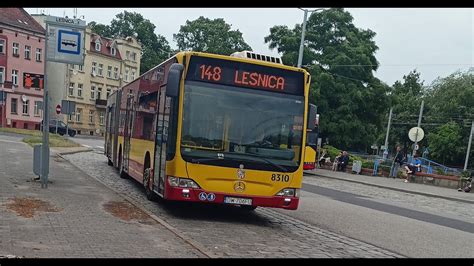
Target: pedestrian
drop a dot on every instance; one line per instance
(323, 158)
(335, 164)
(343, 162)
(414, 167)
(397, 163)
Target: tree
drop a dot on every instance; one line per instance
(155, 48)
(405, 99)
(341, 59)
(445, 143)
(211, 36)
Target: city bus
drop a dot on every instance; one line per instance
(211, 128)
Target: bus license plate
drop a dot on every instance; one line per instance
(240, 201)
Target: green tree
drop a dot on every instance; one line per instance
(155, 48)
(445, 144)
(211, 36)
(341, 59)
(405, 98)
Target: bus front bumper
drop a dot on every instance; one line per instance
(200, 195)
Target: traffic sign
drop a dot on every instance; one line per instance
(416, 134)
(58, 109)
(65, 40)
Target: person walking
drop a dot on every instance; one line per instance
(396, 163)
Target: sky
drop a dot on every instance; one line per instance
(434, 41)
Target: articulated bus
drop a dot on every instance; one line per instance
(211, 128)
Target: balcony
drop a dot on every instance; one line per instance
(100, 103)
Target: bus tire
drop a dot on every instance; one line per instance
(150, 194)
(248, 208)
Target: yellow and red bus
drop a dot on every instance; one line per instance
(211, 128)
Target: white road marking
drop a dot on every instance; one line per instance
(11, 141)
(100, 147)
(86, 145)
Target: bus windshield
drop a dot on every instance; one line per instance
(241, 124)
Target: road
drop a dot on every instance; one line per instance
(93, 142)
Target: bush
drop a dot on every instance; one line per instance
(334, 152)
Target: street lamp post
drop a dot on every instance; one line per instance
(300, 54)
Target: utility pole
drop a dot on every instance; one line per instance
(388, 130)
(419, 123)
(300, 54)
(469, 145)
(45, 145)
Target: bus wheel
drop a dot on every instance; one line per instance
(150, 195)
(248, 208)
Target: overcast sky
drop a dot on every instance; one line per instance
(435, 41)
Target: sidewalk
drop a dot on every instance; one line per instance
(76, 216)
(398, 185)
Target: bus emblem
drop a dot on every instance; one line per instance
(239, 186)
(241, 172)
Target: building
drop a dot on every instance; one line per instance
(22, 42)
(108, 65)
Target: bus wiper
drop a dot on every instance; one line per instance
(268, 161)
(201, 160)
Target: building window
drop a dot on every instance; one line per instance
(16, 49)
(69, 116)
(27, 52)
(99, 93)
(25, 107)
(108, 92)
(15, 77)
(99, 69)
(133, 74)
(116, 73)
(91, 117)
(133, 56)
(94, 66)
(2, 46)
(125, 78)
(101, 118)
(93, 93)
(97, 45)
(78, 115)
(127, 55)
(113, 51)
(14, 109)
(38, 55)
(37, 104)
(71, 89)
(81, 68)
(2, 74)
(109, 71)
(79, 90)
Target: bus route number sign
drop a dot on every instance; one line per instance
(245, 75)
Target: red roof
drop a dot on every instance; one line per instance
(104, 47)
(19, 18)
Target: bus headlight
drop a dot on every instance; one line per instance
(289, 192)
(181, 182)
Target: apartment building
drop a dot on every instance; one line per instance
(108, 65)
(22, 42)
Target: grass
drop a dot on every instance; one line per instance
(36, 137)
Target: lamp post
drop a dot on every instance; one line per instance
(300, 55)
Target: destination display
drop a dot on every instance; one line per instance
(245, 75)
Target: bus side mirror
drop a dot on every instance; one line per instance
(311, 117)
(174, 77)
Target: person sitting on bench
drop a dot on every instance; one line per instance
(413, 167)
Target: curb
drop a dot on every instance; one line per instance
(72, 152)
(396, 189)
(175, 231)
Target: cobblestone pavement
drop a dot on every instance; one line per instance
(229, 231)
(74, 223)
(443, 207)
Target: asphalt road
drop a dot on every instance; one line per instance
(93, 142)
(408, 228)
